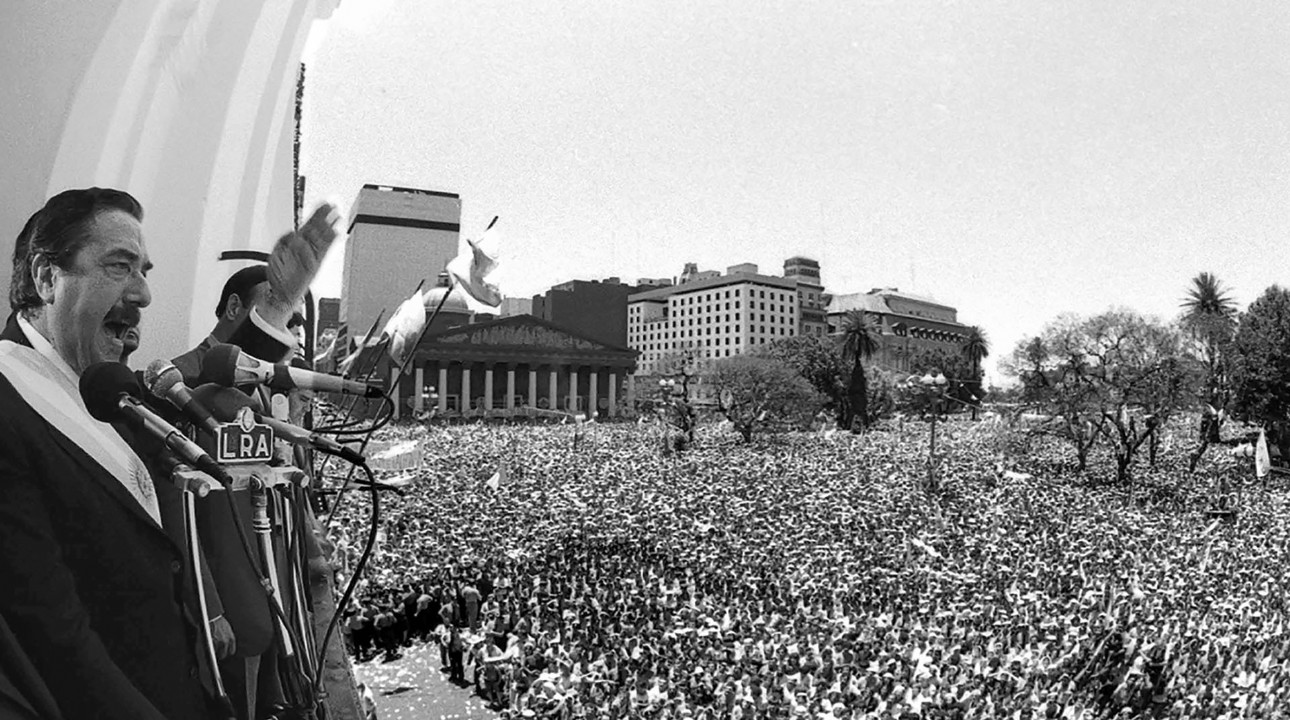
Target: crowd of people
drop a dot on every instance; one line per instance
(822, 576)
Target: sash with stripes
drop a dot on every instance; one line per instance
(47, 392)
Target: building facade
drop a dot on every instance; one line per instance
(328, 315)
(908, 324)
(714, 318)
(594, 308)
(507, 366)
(811, 300)
(398, 237)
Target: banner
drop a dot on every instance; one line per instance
(395, 456)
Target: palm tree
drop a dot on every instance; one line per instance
(1209, 315)
(1208, 299)
(859, 343)
(976, 347)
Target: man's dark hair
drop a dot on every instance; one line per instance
(58, 231)
(241, 284)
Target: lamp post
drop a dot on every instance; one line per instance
(931, 391)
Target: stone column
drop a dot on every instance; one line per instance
(592, 394)
(631, 390)
(443, 386)
(510, 386)
(613, 394)
(394, 391)
(554, 384)
(488, 387)
(418, 402)
(532, 386)
(573, 389)
(465, 386)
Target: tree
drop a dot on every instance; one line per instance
(1209, 320)
(1260, 363)
(859, 341)
(677, 373)
(1207, 298)
(754, 391)
(819, 361)
(975, 348)
(1117, 376)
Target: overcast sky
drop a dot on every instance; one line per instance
(1013, 159)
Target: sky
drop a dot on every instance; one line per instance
(1013, 159)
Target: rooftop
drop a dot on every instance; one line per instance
(735, 279)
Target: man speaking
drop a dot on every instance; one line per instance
(92, 584)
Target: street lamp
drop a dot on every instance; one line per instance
(931, 390)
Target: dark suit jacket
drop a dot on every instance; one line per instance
(91, 585)
(23, 695)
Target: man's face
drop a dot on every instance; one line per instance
(240, 307)
(92, 310)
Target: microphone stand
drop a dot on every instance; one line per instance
(195, 553)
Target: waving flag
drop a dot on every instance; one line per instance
(1262, 459)
(471, 269)
(405, 325)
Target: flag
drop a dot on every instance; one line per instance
(1262, 460)
(471, 269)
(322, 357)
(404, 327)
(496, 480)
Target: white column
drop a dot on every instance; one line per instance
(592, 395)
(631, 391)
(573, 388)
(488, 387)
(465, 386)
(510, 387)
(443, 386)
(532, 387)
(613, 394)
(394, 391)
(553, 385)
(418, 402)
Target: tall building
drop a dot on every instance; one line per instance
(593, 308)
(328, 315)
(907, 324)
(398, 237)
(717, 317)
(811, 300)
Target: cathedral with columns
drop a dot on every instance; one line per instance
(518, 366)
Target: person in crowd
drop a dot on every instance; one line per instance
(93, 586)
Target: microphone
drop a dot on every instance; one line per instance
(227, 366)
(165, 381)
(112, 393)
(226, 402)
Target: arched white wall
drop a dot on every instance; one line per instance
(187, 104)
